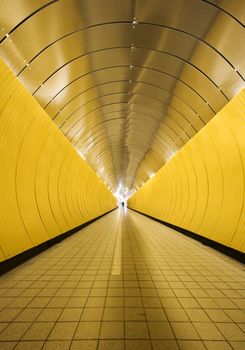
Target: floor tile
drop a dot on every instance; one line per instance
(87, 330)
(171, 293)
(165, 345)
(137, 344)
(155, 314)
(111, 345)
(63, 331)
(231, 331)
(191, 345)
(217, 345)
(8, 345)
(113, 314)
(136, 330)
(14, 331)
(207, 331)
(112, 330)
(184, 330)
(70, 314)
(160, 330)
(92, 314)
(29, 345)
(176, 314)
(38, 331)
(49, 315)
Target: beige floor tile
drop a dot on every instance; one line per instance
(198, 292)
(95, 302)
(8, 315)
(217, 315)
(100, 284)
(164, 345)
(236, 315)
(161, 285)
(189, 303)
(197, 315)
(87, 330)
(242, 326)
(133, 302)
(113, 314)
(115, 284)
(191, 345)
(215, 293)
(63, 331)
(151, 302)
(217, 345)
(57, 302)
(112, 330)
(49, 315)
(146, 284)
(237, 345)
(29, 345)
(207, 331)
(170, 303)
(176, 315)
(8, 345)
(111, 345)
(57, 345)
(39, 331)
(134, 314)
(184, 330)
(136, 330)
(231, 331)
(239, 302)
(182, 292)
(164, 277)
(165, 293)
(49, 292)
(176, 285)
(137, 345)
(116, 292)
(149, 292)
(20, 302)
(14, 331)
(92, 314)
(76, 302)
(156, 314)
(160, 330)
(70, 314)
(129, 292)
(98, 292)
(66, 292)
(225, 303)
(4, 302)
(81, 292)
(3, 325)
(39, 302)
(30, 293)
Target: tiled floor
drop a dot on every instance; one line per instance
(124, 282)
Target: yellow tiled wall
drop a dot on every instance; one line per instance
(45, 187)
(202, 188)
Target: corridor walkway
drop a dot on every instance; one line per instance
(124, 282)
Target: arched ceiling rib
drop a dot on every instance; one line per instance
(128, 82)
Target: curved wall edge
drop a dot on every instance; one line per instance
(46, 188)
(202, 188)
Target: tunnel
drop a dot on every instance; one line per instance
(122, 175)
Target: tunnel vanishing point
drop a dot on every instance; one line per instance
(122, 174)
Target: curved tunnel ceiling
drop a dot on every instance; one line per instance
(128, 82)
